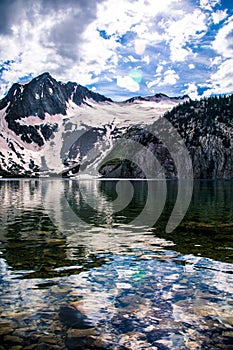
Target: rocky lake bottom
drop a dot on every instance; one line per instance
(72, 277)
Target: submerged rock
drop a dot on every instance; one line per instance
(71, 317)
(5, 330)
(79, 333)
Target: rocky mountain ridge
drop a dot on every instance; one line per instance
(43, 95)
(157, 98)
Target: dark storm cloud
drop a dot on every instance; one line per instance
(67, 34)
(14, 11)
(6, 17)
(64, 35)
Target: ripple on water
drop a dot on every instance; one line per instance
(113, 287)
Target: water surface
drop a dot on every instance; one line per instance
(78, 272)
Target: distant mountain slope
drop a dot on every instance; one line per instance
(157, 98)
(206, 126)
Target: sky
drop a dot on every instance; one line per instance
(120, 48)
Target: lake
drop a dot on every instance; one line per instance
(90, 264)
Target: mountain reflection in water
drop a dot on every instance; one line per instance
(74, 246)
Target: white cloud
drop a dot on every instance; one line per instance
(170, 77)
(223, 40)
(153, 82)
(114, 17)
(46, 42)
(34, 46)
(158, 77)
(179, 54)
(146, 59)
(129, 58)
(191, 66)
(98, 54)
(191, 91)
(218, 16)
(222, 80)
(25, 51)
(128, 83)
(140, 46)
(32, 51)
(69, 43)
(215, 60)
(209, 4)
(159, 68)
(118, 17)
(190, 27)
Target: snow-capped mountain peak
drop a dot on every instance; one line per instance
(44, 94)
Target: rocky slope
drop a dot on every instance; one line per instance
(206, 126)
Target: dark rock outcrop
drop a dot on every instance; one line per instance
(44, 94)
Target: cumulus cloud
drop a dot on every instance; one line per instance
(128, 83)
(191, 90)
(169, 77)
(223, 41)
(218, 16)
(209, 4)
(188, 28)
(98, 42)
(221, 80)
(140, 46)
(191, 66)
(40, 35)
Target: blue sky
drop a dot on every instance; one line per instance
(120, 48)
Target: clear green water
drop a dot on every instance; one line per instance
(77, 274)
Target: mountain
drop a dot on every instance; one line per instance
(157, 98)
(205, 126)
(43, 95)
(207, 129)
(48, 128)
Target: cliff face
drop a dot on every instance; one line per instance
(208, 134)
(206, 126)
